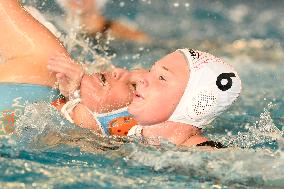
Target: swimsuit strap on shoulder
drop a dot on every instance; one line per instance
(212, 144)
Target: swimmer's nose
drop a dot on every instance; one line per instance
(138, 77)
(118, 73)
(142, 81)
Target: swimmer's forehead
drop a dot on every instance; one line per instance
(174, 62)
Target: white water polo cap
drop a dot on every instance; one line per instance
(212, 87)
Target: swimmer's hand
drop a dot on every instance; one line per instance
(69, 73)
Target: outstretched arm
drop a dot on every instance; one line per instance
(25, 46)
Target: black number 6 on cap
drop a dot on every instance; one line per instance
(226, 76)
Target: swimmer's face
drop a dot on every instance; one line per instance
(104, 92)
(159, 90)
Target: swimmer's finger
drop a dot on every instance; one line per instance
(62, 57)
(60, 61)
(61, 69)
(54, 59)
(55, 68)
(66, 64)
(71, 70)
(62, 80)
(61, 64)
(57, 55)
(65, 80)
(60, 76)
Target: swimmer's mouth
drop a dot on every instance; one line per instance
(137, 95)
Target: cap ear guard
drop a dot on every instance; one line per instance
(212, 87)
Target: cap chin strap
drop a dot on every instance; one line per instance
(67, 108)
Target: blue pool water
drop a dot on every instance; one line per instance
(249, 35)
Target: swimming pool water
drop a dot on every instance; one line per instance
(249, 35)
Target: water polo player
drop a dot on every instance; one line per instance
(181, 94)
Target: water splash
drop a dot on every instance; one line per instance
(39, 119)
(262, 131)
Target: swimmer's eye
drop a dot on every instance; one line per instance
(133, 85)
(162, 78)
(103, 78)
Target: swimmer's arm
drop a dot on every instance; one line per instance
(121, 30)
(92, 22)
(68, 73)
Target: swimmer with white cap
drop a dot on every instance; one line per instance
(180, 95)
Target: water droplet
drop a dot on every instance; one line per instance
(176, 4)
(122, 4)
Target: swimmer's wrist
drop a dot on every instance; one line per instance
(74, 95)
(75, 92)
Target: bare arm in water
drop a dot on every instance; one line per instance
(25, 46)
(92, 22)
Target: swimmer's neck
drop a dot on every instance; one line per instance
(177, 133)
